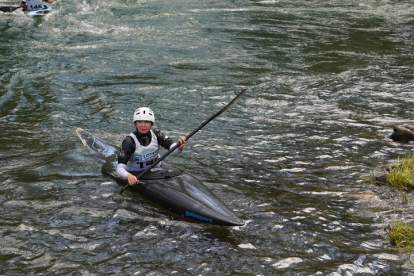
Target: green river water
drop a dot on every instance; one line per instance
(326, 81)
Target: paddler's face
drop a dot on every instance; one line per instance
(143, 126)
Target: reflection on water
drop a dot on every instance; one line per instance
(325, 84)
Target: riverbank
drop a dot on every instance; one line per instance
(400, 176)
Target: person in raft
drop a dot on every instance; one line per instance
(34, 5)
(140, 148)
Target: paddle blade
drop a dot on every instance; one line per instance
(8, 9)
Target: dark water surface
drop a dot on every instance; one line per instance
(326, 81)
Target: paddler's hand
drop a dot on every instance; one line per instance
(132, 179)
(181, 141)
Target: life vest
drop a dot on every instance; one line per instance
(34, 5)
(143, 156)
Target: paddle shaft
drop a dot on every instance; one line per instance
(203, 124)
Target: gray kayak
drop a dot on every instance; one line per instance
(167, 186)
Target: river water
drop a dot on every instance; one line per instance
(326, 81)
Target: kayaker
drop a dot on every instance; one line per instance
(140, 148)
(34, 5)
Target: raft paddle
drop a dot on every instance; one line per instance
(187, 137)
(8, 9)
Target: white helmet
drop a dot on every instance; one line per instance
(144, 114)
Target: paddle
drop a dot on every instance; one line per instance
(187, 137)
(8, 9)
